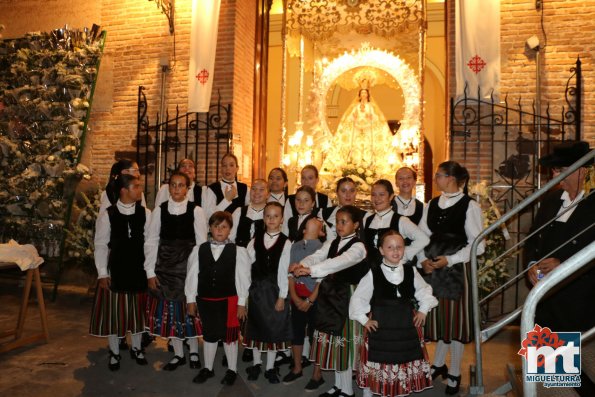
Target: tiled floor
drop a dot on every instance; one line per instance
(74, 363)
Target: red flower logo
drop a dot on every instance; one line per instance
(540, 337)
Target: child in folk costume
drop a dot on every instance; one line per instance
(268, 328)
(111, 194)
(216, 284)
(119, 237)
(394, 361)
(308, 177)
(384, 218)
(303, 292)
(405, 202)
(227, 194)
(305, 203)
(195, 191)
(346, 194)
(450, 217)
(176, 227)
(335, 336)
(248, 219)
(278, 185)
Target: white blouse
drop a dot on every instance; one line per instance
(163, 193)
(473, 226)
(152, 241)
(407, 229)
(280, 198)
(253, 214)
(410, 203)
(242, 274)
(359, 305)
(283, 262)
(104, 202)
(103, 231)
(209, 200)
(321, 266)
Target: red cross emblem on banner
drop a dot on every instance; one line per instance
(203, 76)
(476, 64)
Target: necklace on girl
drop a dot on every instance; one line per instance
(405, 204)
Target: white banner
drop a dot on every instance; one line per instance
(477, 44)
(203, 46)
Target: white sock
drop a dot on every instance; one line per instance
(209, 351)
(367, 392)
(178, 345)
(271, 355)
(114, 346)
(193, 345)
(337, 381)
(136, 343)
(306, 350)
(231, 352)
(346, 381)
(440, 353)
(256, 358)
(456, 357)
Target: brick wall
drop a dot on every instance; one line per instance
(569, 27)
(137, 39)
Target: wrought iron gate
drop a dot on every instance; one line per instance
(500, 143)
(202, 137)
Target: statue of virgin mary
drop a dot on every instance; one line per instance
(363, 138)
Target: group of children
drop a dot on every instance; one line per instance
(334, 285)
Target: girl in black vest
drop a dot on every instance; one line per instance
(394, 360)
(346, 194)
(269, 325)
(176, 227)
(195, 191)
(454, 220)
(121, 292)
(111, 194)
(335, 336)
(308, 177)
(304, 201)
(405, 202)
(278, 185)
(248, 219)
(227, 194)
(216, 284)
(384, 218)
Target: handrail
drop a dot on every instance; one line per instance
(559, 274)
(478, 388)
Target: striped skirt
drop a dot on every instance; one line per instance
(394, 379)
(115, 313)
(265, 346)
(452, 320)
(337, 352)
(168, 319)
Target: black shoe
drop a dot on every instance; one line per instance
(203, 375)
(314, 384)
(305, 362)
(195, 364)
(443, 370)
(224, 361)
(173, 366)
(291, 377)
(135, 353)
(282, 359)
(114, 366)
(247, 355)
(254, 371)
(271, 375)
(334, 392)
(123, 344)
(146, 340)
(229, 378)
(452, 390)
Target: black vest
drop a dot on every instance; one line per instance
(126, 255)
(321, 198)
(396, 340)
(450, 220)
(177, 227)
(266, 263)
(297, 233)
(237, 202)
(197, 190)
(417, 214)
(243, 235)
(216, 278)
(369, 235)
(353, 274)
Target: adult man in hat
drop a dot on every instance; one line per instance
(571, 306)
